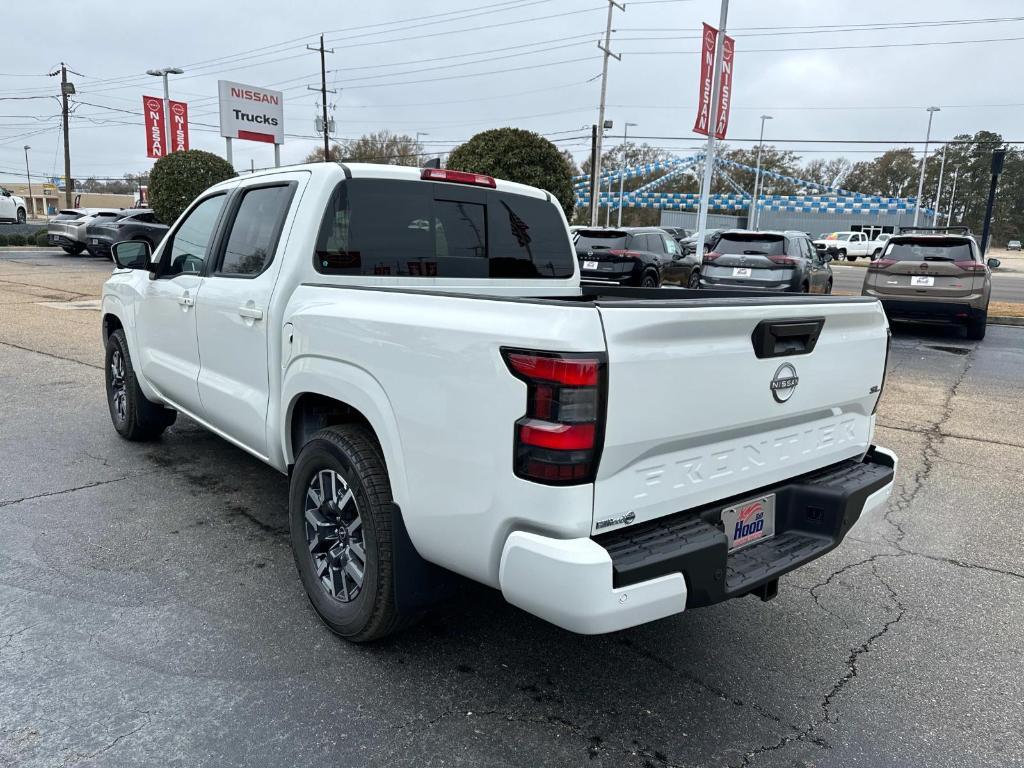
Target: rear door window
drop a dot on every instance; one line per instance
(527, 238)
(255, 230)
(751, 245)
(604, 240)
(929, 250)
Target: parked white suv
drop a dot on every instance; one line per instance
(415, 351)
(12, 207)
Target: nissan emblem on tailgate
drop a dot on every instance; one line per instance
(784, 382)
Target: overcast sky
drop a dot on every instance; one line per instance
(451, 68)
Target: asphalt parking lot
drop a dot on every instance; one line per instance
(150, 611)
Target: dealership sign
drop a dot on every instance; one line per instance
(707, 67)
(161, 139)
(248, 112)
(156, 131)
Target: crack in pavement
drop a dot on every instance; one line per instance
(50, 354)
(950, 434)
(78, 757)
(82, 487)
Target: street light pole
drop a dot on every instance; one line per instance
(952, 197)
(622, 170)
(163, 73)
(924, 161)
(709, 152)
(418, 134)
(755, 211)
(28, 175)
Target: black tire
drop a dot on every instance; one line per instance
(649, 280)
(805, 288)
(21, 215)
(694, 281)
(73, 250)
(977, 326)
(351, 452)
(828, 288)
(135, 418)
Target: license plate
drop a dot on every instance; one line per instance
(93, 241)
(741, 271)
(590, 265)
(921, 280)
(749, 521)
(53, 238)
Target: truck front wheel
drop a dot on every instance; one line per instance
(134, 417)
(339, 509)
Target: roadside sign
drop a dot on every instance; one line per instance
(251, 113)
(153, 109)
(707, 67)
(179, 126)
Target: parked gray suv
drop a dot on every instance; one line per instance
(776, 261)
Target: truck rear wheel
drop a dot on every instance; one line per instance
(134, 417)
(340, 524)
(73, 250)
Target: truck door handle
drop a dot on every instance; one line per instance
(253, 313)
(186, 301)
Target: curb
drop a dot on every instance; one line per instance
(1006, 321)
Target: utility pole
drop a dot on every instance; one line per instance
(28, 175)
(754, 219)
(709, 153)
(323, 93)
(938, 193)
(998, 156)
(66, 89)
(952, 197)
(595, 187)
(595, 169)
(924, 160)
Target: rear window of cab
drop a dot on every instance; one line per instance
(386, 227)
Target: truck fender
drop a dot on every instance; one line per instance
(113, 306)
(356, 388)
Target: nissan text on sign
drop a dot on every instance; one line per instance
(248, 112)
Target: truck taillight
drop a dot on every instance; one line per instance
(558, 440)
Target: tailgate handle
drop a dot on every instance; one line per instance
(781, 338)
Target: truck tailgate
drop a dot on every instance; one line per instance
(693, 415)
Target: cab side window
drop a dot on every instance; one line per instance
(187, 249)
(256, 230)
(671, 246)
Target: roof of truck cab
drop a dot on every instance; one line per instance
(379, 171)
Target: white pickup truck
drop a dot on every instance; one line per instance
(852, 245)
(415, 351)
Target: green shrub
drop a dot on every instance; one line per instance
(3, 240)
(15, 239)
(178, 178)
(518, 155)
(41, 238)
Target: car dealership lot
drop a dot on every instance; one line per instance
(150, 611)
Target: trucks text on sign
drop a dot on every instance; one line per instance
(248, 112)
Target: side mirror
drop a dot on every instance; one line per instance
(132, 254)
(993, 263)
(828, 257)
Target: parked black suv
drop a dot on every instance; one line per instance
(778, 261)
(689, 243)
(133, 224)
(626, 255)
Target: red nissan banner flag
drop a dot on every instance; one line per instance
(707, 68)
(179, 126)
(156, 131)
(725, 87)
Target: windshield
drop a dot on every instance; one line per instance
(588, 240)
(929, 250)
(752, 245)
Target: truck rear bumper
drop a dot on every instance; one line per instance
(655, 569)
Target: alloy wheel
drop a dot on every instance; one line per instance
(118, 388)
(334, 535)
